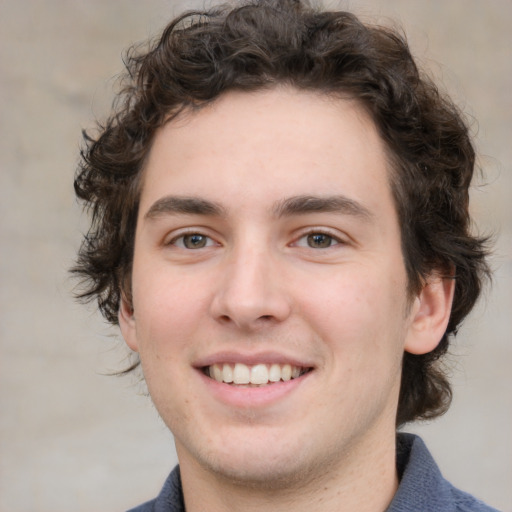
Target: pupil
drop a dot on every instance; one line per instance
(319, 240)
(194, 241)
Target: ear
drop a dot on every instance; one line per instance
(127, 323)
(430, 315)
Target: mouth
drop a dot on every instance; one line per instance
(258, 375)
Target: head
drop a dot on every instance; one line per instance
(259, 46)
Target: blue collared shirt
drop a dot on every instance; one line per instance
(422, 487)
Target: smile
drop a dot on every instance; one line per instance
(254, 375)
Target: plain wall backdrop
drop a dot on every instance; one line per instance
(72, 438)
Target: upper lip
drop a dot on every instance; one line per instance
(251, 359)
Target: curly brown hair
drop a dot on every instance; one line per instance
(256, 45)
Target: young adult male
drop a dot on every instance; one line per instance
(280, 228)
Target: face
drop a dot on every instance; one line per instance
(269, 289)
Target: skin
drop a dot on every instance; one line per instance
(260, 288)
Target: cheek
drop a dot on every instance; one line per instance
(165, 295)
(165, 324)
(346, 301)
(359, 313)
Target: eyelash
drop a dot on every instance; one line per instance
(174, 241)
(209, 241)
(333, 239)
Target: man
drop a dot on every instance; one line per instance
(280, 228)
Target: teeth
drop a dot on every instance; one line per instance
(274, 374)
(227, 373)
(259, 374)
(241, 374)
(286, 372)
(217, 372)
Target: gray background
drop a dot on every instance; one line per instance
(74, 439)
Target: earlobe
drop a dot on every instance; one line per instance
(127, 323)
(430, 315)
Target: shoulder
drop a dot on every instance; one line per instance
(464, 502)
(422, 487)
(170, 498)
(149, 506)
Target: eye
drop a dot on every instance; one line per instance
(317, 240)
(192, 241)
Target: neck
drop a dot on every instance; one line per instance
(365, 482)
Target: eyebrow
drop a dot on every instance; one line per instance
(299, 205)
(296, 205)
(184, 205)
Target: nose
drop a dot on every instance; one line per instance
(251, 292)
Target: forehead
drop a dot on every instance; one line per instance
(261, 147)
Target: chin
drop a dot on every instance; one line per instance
(267, 475)
(272, 467)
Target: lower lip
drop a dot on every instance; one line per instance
(251, 397)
